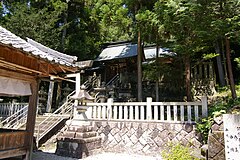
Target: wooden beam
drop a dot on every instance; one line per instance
(13, 153)
(14, 75)
(21, 67)
(31, 118)
(53, 70)
(62, 69)
(11, 65)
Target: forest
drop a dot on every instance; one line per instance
(197, 30)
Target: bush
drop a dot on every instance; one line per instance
(177, 152)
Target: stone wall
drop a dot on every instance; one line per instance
(145, 138)
(216, 148)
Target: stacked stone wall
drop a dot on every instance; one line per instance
(146, 138)
(216, 147)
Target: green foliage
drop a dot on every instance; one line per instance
(221, 106)
(38, 24)
(114, 20)
(203, 127)
(210, 56)
(177, 152)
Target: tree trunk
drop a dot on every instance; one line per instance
(229, 66)
(157, 72)
(139, 67)
(219, 65)
(64, 33)
(188, 77)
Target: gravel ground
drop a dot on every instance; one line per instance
(104, 156)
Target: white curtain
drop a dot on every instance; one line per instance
(14, 87)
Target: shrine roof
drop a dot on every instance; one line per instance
(35, 49)
(117, 52)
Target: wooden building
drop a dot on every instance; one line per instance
(117, 65)
(22, 65)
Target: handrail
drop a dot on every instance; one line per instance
(16, 117)
(115, 78)
(64, 109)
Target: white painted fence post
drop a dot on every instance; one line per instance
(109, 108)
(204, 106)
(149, 108)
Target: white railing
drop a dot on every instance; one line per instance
(148, 111)
(8, 109)
(65, 111)
(16, 120)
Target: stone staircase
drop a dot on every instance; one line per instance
(78, 142)
(52, 126)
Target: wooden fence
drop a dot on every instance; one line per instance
(148, 111)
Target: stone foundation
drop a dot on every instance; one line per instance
(145, 138)
(216, 148)
(78, 142)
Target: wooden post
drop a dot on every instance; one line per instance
(149, 108)
(139, 67)
(77, 89)
(109, 108)
(204, 106)
(58, 98)
(50, 96)
(31, 118)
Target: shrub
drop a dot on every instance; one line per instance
(177, 152)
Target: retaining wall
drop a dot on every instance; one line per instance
(146, 138)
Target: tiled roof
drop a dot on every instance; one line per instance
(36, 49)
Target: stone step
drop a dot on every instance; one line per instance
(69, 134)
(80, 128)
(79, 140)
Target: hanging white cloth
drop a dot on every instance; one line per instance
(14, 87)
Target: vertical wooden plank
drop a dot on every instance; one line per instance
(120, 112)
(104, 112)
(175, 113)
(206, 71)
(196, 113)
(169, 113)
(182, 113)
(204, 107)
(115, 112)
(131, 113)
(109, 108)
(162, 112)
(142, 112)
(99, 111)
(31, 118)
(136, 112)
(149, 108)
(125, 112)
(155, 113)
(189, 112)
(94, 112)
(211, 74)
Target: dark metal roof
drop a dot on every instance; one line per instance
(118, 52)
(36, 49)
(130, 50)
